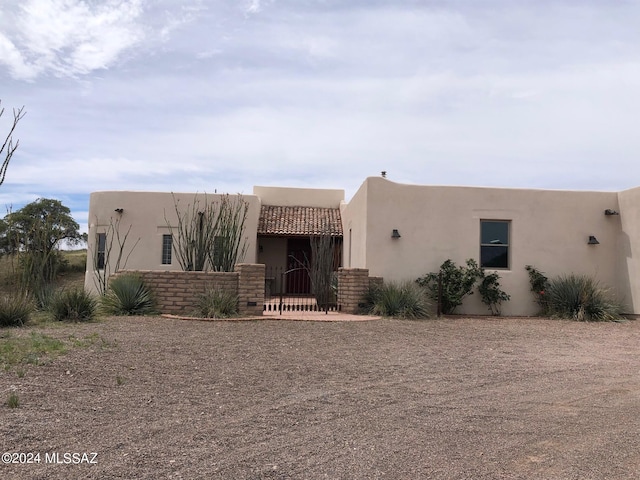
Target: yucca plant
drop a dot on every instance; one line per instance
(43, 296)
(75, 305)
(15, 309)
(216, 303)
(128, 295)
(581, 298)
(401, 300)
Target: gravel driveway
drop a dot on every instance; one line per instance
(451, 398)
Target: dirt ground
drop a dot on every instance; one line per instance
(451, 398)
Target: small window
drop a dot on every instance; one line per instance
(219, 247)
(167, 243)
(101, 243)
(494, 243)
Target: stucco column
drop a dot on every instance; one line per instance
(250, 288)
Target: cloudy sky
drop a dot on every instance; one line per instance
(204, 95)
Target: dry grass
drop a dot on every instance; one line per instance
(73, 276)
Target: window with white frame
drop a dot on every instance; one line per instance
(494, 243)
(167, 244)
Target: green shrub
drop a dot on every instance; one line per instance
(128, 295)
(491, 293)
(539, 286)
(581, 298)
(73, 305)
(457, 283)
(401, 300)
(15, 309)
(216, 303)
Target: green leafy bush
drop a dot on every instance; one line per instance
(128, 295)
(539, 286)
(401, 300)
(491, 293)
(457, 283)
(581, 298)
(15, 309)
(73, 305)
(216, 303)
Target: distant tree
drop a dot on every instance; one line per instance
(43, 224)
(34, 233)
(9, 147)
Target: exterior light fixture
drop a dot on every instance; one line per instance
(609, 211)
(395, 233)
(593, 240)
(383, 173)
(119, 210)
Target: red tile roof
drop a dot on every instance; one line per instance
(300, 221)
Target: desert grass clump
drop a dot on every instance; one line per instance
(399, 300)
(73, 305)
(44, 296)
(15, 309)
(13, 401)
(581, 298)
(128, 295)
(216, 303)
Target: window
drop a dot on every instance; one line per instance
(167, 243)
(219, 248)
(494, 243)
(101, 243)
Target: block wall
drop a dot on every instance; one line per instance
(177, 292)
(353, 284)
(250, 288)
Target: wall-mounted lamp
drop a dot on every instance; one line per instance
(383, 173)
(395, 233)
(119, 210)
(593, 240)
(609, 211)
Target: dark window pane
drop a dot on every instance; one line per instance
(167, 242)
(494, 256)
(220, 247)
(102, 243)
(494, 233)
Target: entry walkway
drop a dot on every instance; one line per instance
(286, 316)
(317, 316)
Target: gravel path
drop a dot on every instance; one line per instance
(450, 398)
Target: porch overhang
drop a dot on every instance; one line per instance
(284, 221)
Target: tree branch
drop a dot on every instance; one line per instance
(8, 143)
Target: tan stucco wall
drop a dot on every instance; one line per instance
(629, 246)
(299, 197)
(549, 229)
(354, 226)
(274, 252)
(147, 214)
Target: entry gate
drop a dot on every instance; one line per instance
(293, 291)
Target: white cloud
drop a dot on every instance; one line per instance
(68, 37)
(321, 93)
(253, 6)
